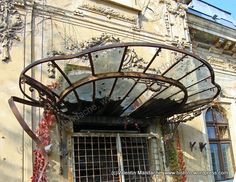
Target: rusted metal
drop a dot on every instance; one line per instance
(135, 100)
(188, 73)
(119, 70)
(202, 91)
(151, 61)
(196, 104)
(104, 154)
(21, 120)
(49, 97)
(42, 89)
(144, 71)
(120, 75)
(174, 64)
(94, 91)
(60, 105)
(66, 78)
(91, 63)
(124, 45)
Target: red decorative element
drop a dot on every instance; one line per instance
(40, 164)
(44, 127)
(181, 162)
(40, 161)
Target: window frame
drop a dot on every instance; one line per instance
(219, 141)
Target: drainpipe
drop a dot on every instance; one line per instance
(32, 58)
(120, 159)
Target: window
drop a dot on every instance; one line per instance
(99, 156)
(220, 144)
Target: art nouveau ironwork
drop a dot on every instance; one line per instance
(119, 80)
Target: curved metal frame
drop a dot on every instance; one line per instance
(53, 99)
(22, 122)
(120, 75)
(120, 45)
(58, 99)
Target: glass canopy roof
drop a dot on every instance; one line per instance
(138, 80)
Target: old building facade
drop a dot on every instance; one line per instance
(101, 148)
(208, 27)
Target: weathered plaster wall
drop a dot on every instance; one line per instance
(215, 44)
(16, 146)
(195, 160)
(55, 27)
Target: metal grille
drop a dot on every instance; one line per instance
(135, 158)
(96, 158)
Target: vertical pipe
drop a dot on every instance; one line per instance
(23, 133)
(42, 52)
(162, 147)
(120, 158)
(32, 58)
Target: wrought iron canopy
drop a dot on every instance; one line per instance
(137, 80)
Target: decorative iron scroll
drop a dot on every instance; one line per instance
(184, 117)
(173, 122)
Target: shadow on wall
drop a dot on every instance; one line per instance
(15, 151)
(9, 174)
(195, 148)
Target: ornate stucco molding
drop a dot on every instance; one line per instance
(219, 43)
(228, 45)
(220, 63)
(180, 9)
(227, 94)
(175, 22)
(78, 13)
(109, 12)
(167, 24)
(10, 24)
(216, 61)
(234, 48)
(76, 47)
(94, 41)
(165, 1)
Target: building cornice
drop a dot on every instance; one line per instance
(211, 27)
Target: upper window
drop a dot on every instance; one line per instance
(214, 115)
(220, 144)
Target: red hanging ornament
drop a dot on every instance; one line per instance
(40, 160)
